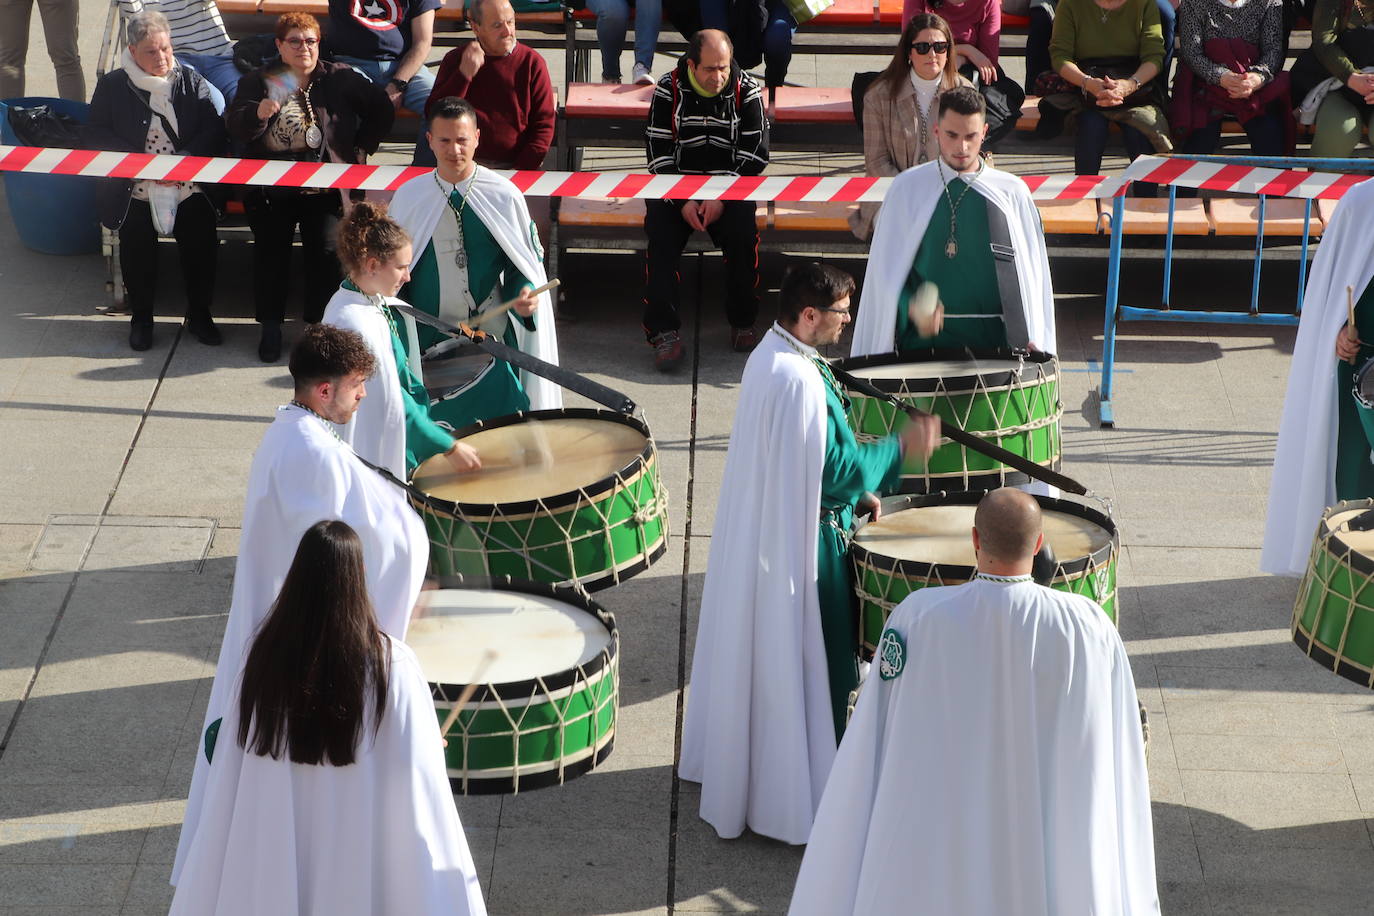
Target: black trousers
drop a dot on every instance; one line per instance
(737, 237)
(194, 232)
(273, 217)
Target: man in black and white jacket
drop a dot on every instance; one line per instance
(706, 118)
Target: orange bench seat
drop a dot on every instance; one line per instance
(616, 213)
(1240, 216)
(1070, 217)
(237, 6)
(809, 217)
(813, 105)
(848, 12)
(595, 100)
(1150, 216)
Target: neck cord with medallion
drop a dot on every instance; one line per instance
(314, 137)
(460, 257)
(821, 364)
(952, 246)
(328, 424)
(924, 118)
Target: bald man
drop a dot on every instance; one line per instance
(995, 762)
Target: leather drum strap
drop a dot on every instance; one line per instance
(1008, 284)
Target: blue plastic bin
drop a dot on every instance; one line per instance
(54, 214)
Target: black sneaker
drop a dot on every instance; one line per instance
(269, 347)
(202, 328)
(667, 350)
(140, 335)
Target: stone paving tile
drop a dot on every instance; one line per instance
(1276, 881)
(580, 869)
(1176, 859)
(131, 610)
(1272, 755)
(28, 886)
(78, 824)
(1237, 791)
(209, 483)
(150, 886)
(64, 544)
(17, 543)
(1231, 717)
(748, 874)
(28, 608)
(1255, 823)
(151, 548)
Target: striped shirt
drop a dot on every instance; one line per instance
(689, 134)
(196, 24)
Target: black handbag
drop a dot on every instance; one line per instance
(1003, 99)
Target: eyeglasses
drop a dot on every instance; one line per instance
(299, 43)
(828, 309)
(925, 47)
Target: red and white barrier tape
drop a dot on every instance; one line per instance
(603, 185)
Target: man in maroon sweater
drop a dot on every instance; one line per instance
(507, 83)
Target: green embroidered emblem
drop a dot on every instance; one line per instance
(891, 655)
(211, 735)
(534, 242)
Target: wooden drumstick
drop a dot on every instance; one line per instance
(487, 658)
(507, 306)
(1350, 308)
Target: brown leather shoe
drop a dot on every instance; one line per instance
(667, 350)
(743, 340)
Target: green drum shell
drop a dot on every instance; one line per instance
(982, 402)
(1333, 616)
(524, 735)
(882, 581)
(595, 537)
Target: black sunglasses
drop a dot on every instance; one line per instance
(925, 47)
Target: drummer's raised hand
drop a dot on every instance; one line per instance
(463, 457)
(869, 505)
(921, 435)
(526, 303)
(1348, 344)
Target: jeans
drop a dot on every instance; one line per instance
(1265, 132)
(417, 94)
(612, 18)
(60, 19)
(197, 246)
(1090, 143)
(219, 72)
(777, 35)
(273, 216)
(735, 233)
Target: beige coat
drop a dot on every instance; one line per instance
(891, 141)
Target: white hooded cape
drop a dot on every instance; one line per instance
(1304, 478)
(759, 733)
(303, 473)
(377, 431)
(902, 223)
(417, 206)
(1002, 770)
(378, 836)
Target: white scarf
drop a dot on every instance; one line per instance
(159, 88)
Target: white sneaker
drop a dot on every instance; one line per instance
(642, 75)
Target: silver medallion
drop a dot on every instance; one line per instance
(313, 137)
(951, 249)
(460, 256)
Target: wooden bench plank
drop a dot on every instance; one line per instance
(1150, 216)
(1240, 216)
(890, 13)
(813, 217)
(1326, 209)
(617, 213)
(594, 100)
(813, 106)
(247, 7)
(1070, 217)
(848, 12)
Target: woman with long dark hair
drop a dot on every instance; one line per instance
(328, 791)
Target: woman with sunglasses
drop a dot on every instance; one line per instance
(899, 107)
(309, 110)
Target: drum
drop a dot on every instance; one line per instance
(1009, 399)
(923, 541)
(545, 711)
(563, 496)
(1333, 617)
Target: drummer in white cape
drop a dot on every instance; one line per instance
(393, 426)
(995, 762)
(474, 247)
(328, 793)
(302, 473)
(1323, 452)
(775, 655)
(933, 279)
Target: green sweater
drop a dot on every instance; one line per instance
(1327, 26)
(1131, 31)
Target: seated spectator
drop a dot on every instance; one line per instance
(507, 83)
(309, 110)
(760, 30)
(60, 18)
(900, 107)
(706, 118)
(977, 29)
(389, 43)
(150, 105)
(612, 19)
(1334, 80)
(1106, 54)
(1041, 14)
(1231, 66)
(200, 40)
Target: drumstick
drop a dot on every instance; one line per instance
(488, 657)
(507, 306)
(1350, 309)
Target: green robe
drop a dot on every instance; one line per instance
(1354, 473)
(851, 469)
(499, 392)
(967, 282)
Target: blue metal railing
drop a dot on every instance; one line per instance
(1116, 312)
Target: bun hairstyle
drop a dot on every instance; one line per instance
(368, 232)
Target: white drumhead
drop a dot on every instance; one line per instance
(942, 368)
(1358, 541)
(534, 459)
(940, 534)
(532, 636)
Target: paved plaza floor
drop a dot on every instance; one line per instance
(122, 478)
